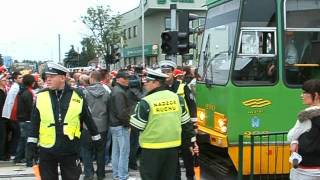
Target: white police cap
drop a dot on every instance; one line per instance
(156, 74)
(56, 69)
(167, 64)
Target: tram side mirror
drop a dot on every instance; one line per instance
(257, 43)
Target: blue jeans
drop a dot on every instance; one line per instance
(120, 152)
(25, 128)
(89, 150)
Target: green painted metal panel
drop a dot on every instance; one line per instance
(149, 50)
(243, 117)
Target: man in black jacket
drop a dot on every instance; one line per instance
(119, 126)
(56, 122)
(25, 102)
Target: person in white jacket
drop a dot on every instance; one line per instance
(311, 98)
(9, 112)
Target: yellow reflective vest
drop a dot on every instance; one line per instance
(163, 129)
(47, 132)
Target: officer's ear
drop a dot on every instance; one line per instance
(63, 77)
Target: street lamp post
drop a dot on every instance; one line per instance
(142, 31)
(59, 48)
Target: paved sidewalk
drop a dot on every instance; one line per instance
(9, 171)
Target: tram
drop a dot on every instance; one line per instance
(255, 55)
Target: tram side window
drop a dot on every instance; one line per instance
(256, 60)
(301, 41)
(302, 56)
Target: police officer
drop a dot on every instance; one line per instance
(182, 90)
(165, 124)
(56, 122)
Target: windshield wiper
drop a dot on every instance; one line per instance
(210, 61)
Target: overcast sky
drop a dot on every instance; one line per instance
(29, 28)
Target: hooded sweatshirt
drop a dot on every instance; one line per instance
(97, 97)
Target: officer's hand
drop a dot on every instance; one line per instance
(195, 149)
(32, 151)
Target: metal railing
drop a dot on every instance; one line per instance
(265, 154)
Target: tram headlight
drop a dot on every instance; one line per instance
(220, 122)
(201, 113)
(202, 116)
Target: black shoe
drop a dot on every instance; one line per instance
(88, 178)
(19, 161)
(4, 159)
(133, 167)
(100, 178)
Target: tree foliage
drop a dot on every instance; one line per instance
(71, 58)
(88, 51)
(105, 29)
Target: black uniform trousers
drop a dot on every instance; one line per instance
(70, 166)
(188, 162)
(158, 164)
(4, 125)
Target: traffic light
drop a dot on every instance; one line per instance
(115, 54)
(169, 42)
(185, 31)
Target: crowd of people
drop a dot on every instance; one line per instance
(62, 119)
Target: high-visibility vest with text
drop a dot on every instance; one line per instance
(163, 129)
(47, 131)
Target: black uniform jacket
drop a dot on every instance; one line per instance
(63, 145)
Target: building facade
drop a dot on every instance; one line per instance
(156, 20)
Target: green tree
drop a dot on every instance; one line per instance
(88, 51)
(105, 29)
(71, 58)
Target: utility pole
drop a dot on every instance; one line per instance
(59, 48)
(142, 31)
(173, 11)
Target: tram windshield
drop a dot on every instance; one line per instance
(218, 43)
(301, 41)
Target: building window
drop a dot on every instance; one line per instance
(134, 31)
(167, 24)
(125, 34)
(202, 21)
(198, 22)
(129, 33)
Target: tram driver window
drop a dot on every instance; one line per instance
(256, 60)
